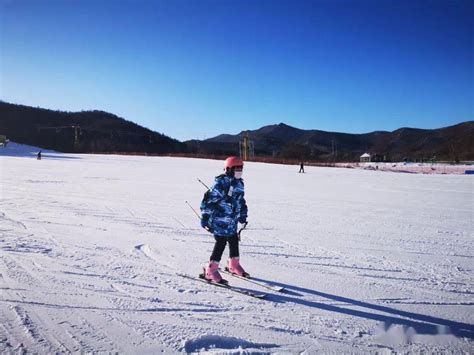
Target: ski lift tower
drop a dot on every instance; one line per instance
(246, 148)
(76, 128)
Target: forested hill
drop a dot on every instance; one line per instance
(81, 132)
(102, 132)
(285, 142)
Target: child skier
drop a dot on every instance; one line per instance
(222, 208)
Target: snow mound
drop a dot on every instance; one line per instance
(216, 343)
(144, 248)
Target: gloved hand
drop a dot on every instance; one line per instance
(243, 219)
(205, 221)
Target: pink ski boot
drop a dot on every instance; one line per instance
(234, 267)
(211, 273)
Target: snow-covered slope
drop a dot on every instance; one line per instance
(22, 150)
(372, 261)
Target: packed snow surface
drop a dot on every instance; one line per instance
(90, 248)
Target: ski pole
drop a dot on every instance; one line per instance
(203, 184)
(241, 229)
(197, 214)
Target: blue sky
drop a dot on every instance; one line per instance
(196, 69)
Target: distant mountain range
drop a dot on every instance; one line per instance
(283, 141)
(102, 132)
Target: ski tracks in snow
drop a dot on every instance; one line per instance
(88, 264)
(45, 286)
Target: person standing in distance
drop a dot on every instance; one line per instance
(301, 168)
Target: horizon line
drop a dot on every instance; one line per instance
(229, 134)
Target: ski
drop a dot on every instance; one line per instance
(259, 283)
(226, 286)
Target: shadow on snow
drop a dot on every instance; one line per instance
(422, 324)
(44, 156)
(26, 151)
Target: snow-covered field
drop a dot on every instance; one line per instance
(371, 261)
(412, 168)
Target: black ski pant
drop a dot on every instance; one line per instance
(220, 244)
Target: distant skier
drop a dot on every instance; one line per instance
(222, 208)
(39, 155)
(301, 168)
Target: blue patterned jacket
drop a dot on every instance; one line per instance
(224, 204)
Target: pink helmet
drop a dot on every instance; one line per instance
(231, 162)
